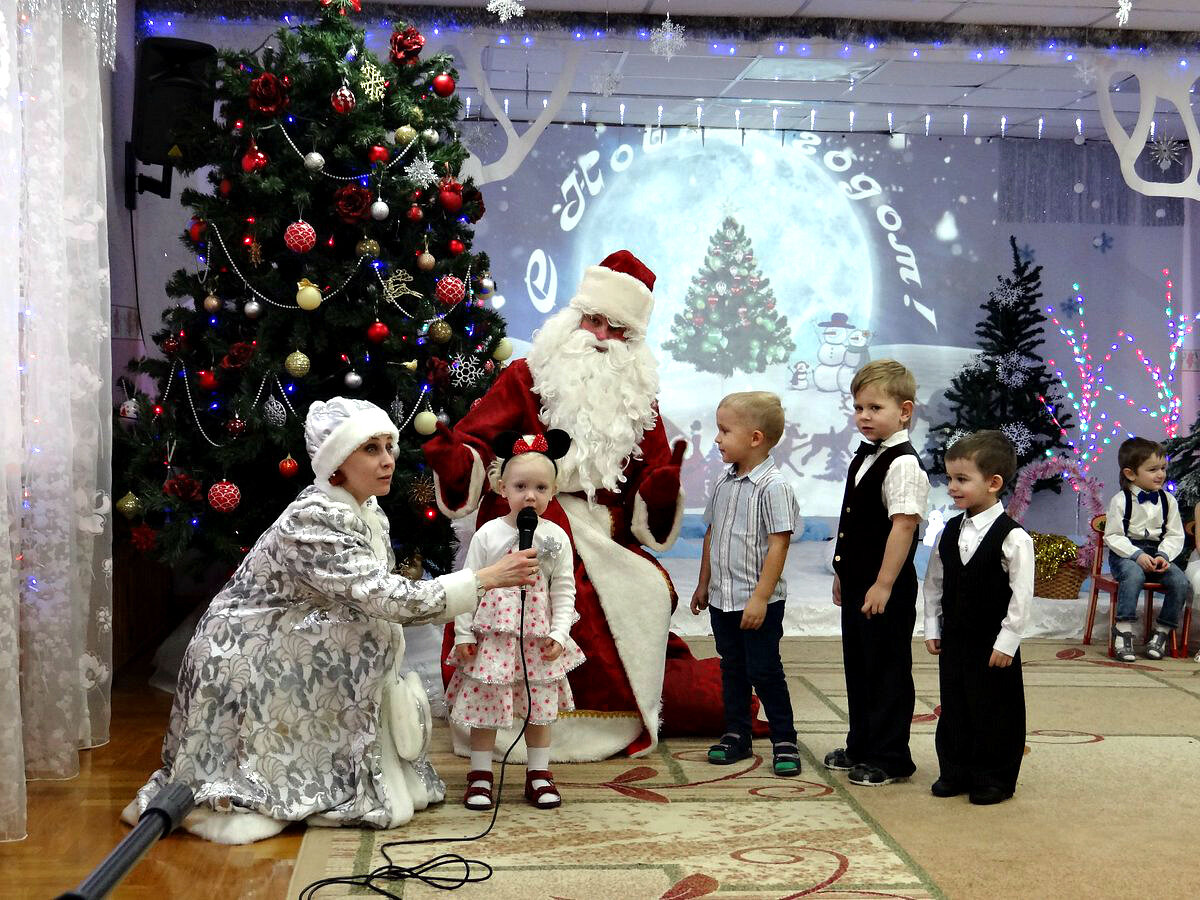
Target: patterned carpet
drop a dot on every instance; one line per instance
(673, 826)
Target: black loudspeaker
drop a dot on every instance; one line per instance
(173, 78)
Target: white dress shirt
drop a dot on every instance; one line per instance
(905, 486)
(1017, 560)
(1145, 524)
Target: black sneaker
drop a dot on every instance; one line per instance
(1156, 647)
(986, 796)
(1123, 646)
(838, 761)
(866, 775)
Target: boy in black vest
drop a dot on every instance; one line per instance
(1143, 533)
(875, 583)
(978, 589)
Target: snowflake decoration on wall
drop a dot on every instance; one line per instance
(1103, 242)
(1124, 8)
(465, 371)
(956, 436)
(1166, 152)
(1085, 68)
(606, 83)
(667, 39)
(1012, 369)
(1027, 254)
(506, 9)
(1020, 435)
(421, 171)
(370, 81)
(1007, 294)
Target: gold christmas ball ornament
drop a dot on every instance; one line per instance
(405, 135)
(440, 332)
(503, 351)
(297, 364)
(417, 114)
(130, 506)
(308, 295)
(426, 261)
(212, 303)
(425, 422)
(367, 247)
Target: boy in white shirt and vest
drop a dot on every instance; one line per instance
(1144, 533)
(978, 588)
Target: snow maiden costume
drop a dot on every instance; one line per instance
(290, 705)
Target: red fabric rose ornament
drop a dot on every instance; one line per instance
(406, 46)
(268, 95)
(239, 354)
(352, 203)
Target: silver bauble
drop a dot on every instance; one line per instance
(352, 380)
(252, 309)
(379, 211)
(274, 412)
(430, 136)
(314, 161)
(443, 418)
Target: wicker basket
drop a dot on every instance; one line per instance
(1064, 584)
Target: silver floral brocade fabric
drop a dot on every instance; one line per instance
(279, 698)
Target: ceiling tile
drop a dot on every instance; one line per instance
(899, 71)
(1014, 14)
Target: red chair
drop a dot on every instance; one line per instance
(1105, 582)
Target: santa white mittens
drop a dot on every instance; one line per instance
(409, 717)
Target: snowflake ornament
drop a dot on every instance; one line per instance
(421, 171)
(667, 39)
(465, 371)
(1166, 152)
(1085, 68)
(370, 81)
(1020, 435)
(274, 412)
(955, 437)
(1006, 294)
(1124, 8)
(506, 9)
(1012, 369)
(396, 408)
(606, 83)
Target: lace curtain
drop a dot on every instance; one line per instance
(55, 385)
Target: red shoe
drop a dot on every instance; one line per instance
(474, 790)
(538, 796)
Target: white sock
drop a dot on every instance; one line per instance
(1125, 627)
(1162, 629)
(481, 761)
(538, 760)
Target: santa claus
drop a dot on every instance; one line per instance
(590, 373)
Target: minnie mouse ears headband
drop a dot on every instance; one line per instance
(553, 445)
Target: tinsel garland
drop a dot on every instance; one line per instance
(1085, 485)
(1051, 552)
(707, 28)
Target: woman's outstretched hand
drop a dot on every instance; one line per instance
(514, 569)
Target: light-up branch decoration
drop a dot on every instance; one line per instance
(1096, 427)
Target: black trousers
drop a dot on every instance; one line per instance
(877, 657)
(751, 659)
(981, 731)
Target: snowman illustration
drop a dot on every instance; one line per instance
(800, 380)
(856, 357)
(832, 352)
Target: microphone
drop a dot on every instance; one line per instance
(527, 521)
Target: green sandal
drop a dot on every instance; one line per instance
(786, 760)
(728, 750)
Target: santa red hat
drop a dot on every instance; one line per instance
(619, 289)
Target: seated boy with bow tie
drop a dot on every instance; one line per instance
(1143, 533)
(875, 582)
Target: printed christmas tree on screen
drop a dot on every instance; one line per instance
(332, 256)
(729, 321)
(1000, 388)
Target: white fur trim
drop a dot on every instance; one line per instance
(348, 437)
(474, 489)
(461, 595)
(231, 828)
(640, 525)
(621, 297)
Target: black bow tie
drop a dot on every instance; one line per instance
(865, 448)
(1147, 497)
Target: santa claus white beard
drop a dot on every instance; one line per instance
(603, 400)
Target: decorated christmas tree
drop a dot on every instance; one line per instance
(1006, 386)
(1183, 468)
(729, 320)
(331, 257)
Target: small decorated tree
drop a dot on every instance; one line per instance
(331, 257)
(729, 321)
(1006, 387)
(1183, 468)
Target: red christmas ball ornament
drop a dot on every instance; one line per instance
(488, 366)
(254, 160)
(342, 100)
(378, 154)
(713, 301)
(697, 320)
(288, 467)
(443, 85)
(206, 379)
(451, 199)
(226, 187)
(236, 426)
(224, 496)
(300, 237)
(415, 213)
(170, 344)
(196, 229)
(377, 332)
(456, 247)
(450, 290)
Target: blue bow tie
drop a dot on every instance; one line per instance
(1147, 497)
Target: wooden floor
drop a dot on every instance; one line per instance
(73, 824)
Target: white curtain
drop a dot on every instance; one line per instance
(55, 374)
